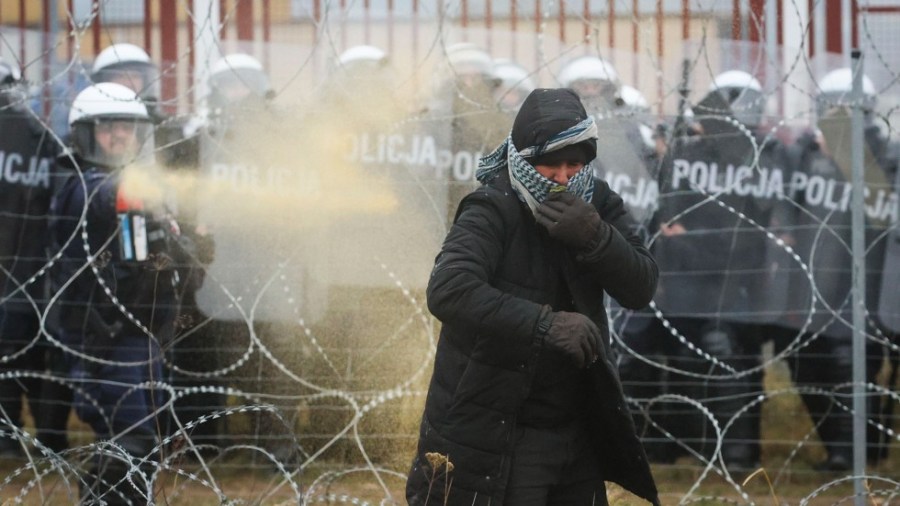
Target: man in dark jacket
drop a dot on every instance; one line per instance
(524, 405)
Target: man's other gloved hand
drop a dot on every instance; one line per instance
(569, 219)
(575, 335)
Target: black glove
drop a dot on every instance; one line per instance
(575, 335)
(569, 219)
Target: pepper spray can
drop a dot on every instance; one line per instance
(132, 228)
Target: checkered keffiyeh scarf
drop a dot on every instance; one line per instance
(530, 186)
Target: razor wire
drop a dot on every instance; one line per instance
(322, 373)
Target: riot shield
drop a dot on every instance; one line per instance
(819, 229)
(628, 164)
(718, 190)
(466, 119)
(888, 307)
(248, 206)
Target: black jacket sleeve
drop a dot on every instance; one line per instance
(459, 291)
(619, 259)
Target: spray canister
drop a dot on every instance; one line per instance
(132, 227)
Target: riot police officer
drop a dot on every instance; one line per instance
(819, 338)
(716, 189)
(116, 286)
(464, 106)
(625, 159)
(629, 165)
(241, 163)
(27, 178)
(130, 66)
(596, 82)
(515, 84)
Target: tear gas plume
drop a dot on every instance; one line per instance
(308, 228)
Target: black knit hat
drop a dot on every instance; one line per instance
(545, 113)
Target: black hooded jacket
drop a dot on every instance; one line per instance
(495, 271)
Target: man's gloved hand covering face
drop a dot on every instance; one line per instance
(575, 335)
(569, 219)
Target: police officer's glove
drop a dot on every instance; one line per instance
(568, 218)
(573, 334)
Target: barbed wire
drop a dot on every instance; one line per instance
(310, 334)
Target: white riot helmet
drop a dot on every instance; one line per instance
(362, 55)
(361, 68)
(515, 84)
(110, 126)
(470, 64)
(237, 80)
(836, 88)
(633, 101)
(744, 95)
(130, 66)
(594, 80)
(9, 73)
(12, 88)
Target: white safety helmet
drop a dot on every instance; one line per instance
(587, 68)
(633, 100)
(515, 84)
(13, 92)
(361, 68)
(735, 79)
(130, 66)
(9, 72)
(110, 107)
(836, 88)
(594, 80)
(466, 58)
(466, 71)
(744, 95)
(237, 80)
(365, 54)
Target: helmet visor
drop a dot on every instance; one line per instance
(140, 77)
(114, 142)
(238, 84)
(747, 105)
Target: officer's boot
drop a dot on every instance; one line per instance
(881, 407)
(741, 449)
(685, 421)
(740, 445)
(836, 432)
(52, 415)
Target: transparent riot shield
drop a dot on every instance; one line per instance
(888, 308)
(249, 205)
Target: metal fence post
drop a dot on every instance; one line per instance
(859, 283)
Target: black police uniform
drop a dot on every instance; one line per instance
(115, 318)
(27, 179)
(818, 309)
(710, 290)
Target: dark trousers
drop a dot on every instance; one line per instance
(49, 401)
(727, 395)
(644, 383)
(200, 348)
(824, 366)
(555, 466)
(122, 391)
